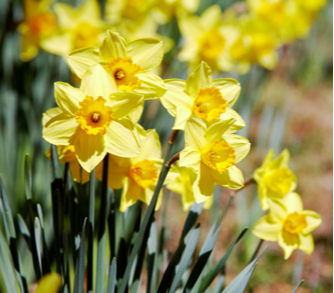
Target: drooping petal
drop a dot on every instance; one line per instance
(65, 15)
(81, 59)
(113, 46)
(216, 130)
(150, 147)
(232, 178)
(78, 173)
(60, 129)
(182, 116)
(262, 193)
(89, 149)
(190, 157)
(194, 132)
(147, 53)
(152, 86)
(306, 243)
(199, 79)
(124, 103)
(229, 88)
(313, 220)
(240, 144)
(289, 242)
(239, 122)
(130, 194)
(98, 82)
(120, 140)
(68, 97)
(293, 202)
(266, 230)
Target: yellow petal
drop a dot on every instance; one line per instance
(306, 243)
(50, 283)
(60, 129)
(232, 178)
(313, 220)
(50, 114)
(281, 161)
(182, 116)
(58, 44)
(150, 147)
(81, 59)
(147, 53)
(262, 193)
(278, 212)
(268, 159)
(190, 26)
(229, 88)
(205, 180)
(211, 17)
(113, 46)
(152, 86)
(267, 230)
(65, 15)
(199, 79)
(98, 82)
(120, 140)
(289, 242)
(136, 114)
(89, 149)
(238, 124)
(88, 9)
(194, 132)
(190, 157)
(78, 173)
(216, 130)
(130, 194)
(240, 144)
(124, 103)
(68, 97)
(208, 203)
(293, 202)
(29, 48)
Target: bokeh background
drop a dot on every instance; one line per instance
(288, 107)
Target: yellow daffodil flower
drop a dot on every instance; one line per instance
(213, 153)
(50, 283)
(202, 96)
(66, 154)
(183, 183)
(92, 118)
(138, 175)
(288, 224)
(207, 39)
(39, 23)
(274, 179)
(128, 65)
(79, 27)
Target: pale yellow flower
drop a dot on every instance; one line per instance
(202, 96)
(274, 179)
(288, 224)
(213, 153)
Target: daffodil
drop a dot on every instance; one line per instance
(274, 179)
(49, 283)
(288, 224)
(182, 184)
(212, 153)
(138, 175)
(39, 24)
(207, 38)
(128, 65)
(204, 97)
(66, 154)
(92, 118)
(79, 27)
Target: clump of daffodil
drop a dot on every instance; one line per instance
(213, 154)
(288, 224)
(39, 24)
(207, 38)
(92, 119)
(183, 183)
(79, 27)
(204, 97)
(274, 179)
(138, 175)
(128, 65)
(66, 154)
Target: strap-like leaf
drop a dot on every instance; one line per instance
(112, 281)
(80, 264)
(299, 284)
(152, 249)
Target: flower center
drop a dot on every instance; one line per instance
(85, 35)
(43, 25)
(212, 44)
(124, 71)
(219, 156)
(209, 104)
(295, 223)
(279, 180)
(144, 173)
(93, 116)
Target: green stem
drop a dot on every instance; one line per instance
(90, 256)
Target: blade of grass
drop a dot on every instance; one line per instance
(67, 280)
(38, 241)
(90, 255)
(299, 284)
(152, 249)
(112, 281)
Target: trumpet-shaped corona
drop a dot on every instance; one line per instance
(43, 25)
(93, 116)
(279, 180)
(209, 104)
(295, 223)
(144, 173)
(124, 72)
(212, 44)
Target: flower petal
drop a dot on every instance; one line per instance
(229, 88)
(65, 15)
(152, 86)
(306, 243)
(98, 82)
(113, 46)
(232, 178)
(293, 202)
(130, 194)
(262, 193)
(190, 157)
(78, 173)
(81, 59)
(266, 230)
(68, 97)
(88, 9)
(211, 17)
(238, 124)
(203, 186)
(50, 114)
(58, 44)
(268, 159)
(59, 129)
(289, 242)
(200, 78)
(182, 115)
(240, 144)
(281, 161)
(124, 103)
(147, 53)
(313, 220)
(120, 139)
(137, 113)
(89, 149)
(278, 212)
(217, 129)
(150, 147)
(194, 132)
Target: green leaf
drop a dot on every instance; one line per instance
(27, 177)
(67, 281)
(299, 284)
(24, 229)
(79, 277)
(90, 254)
(38, 242)
(186, 257)
(112, 281)
(152, 249)
(55, 163)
